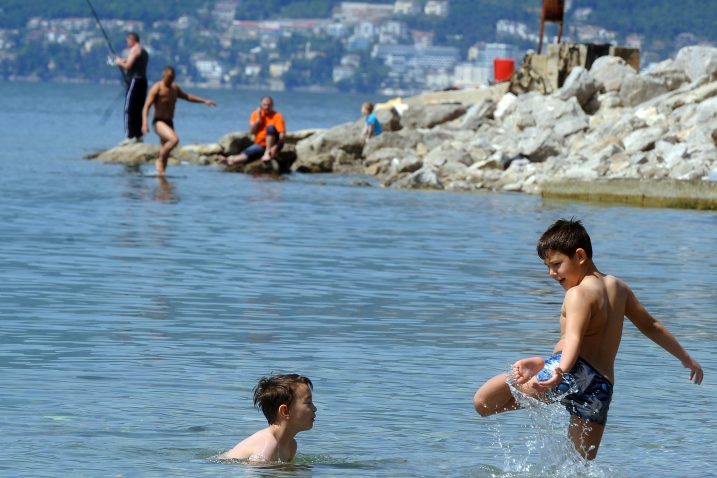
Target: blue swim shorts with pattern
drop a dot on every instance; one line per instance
(584, 391)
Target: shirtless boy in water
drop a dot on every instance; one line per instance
(286, 402)
(163, 95)
(591, 322)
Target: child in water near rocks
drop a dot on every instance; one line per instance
(581, 369)
(286, 402)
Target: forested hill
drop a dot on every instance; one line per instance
(468, 21)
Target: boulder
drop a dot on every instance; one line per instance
(669, 74)
(610, 72)
(580, 85)
(428, 116)
(637, 89)
(235, 143)
(538, 145)
(697, 61)
(406, 139)
(424, 178)
(389, 118)
(478, 114)
(346, 137)
(137, 153)
(642, 139)
(279, 166)
(505, 105)
(293, 137)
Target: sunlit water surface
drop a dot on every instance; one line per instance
(137, 316)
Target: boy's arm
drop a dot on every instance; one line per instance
(658, 333)
(577, 316)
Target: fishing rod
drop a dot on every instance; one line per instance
(107, 39)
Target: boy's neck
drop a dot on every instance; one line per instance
(282, 432)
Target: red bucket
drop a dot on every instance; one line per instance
(503, 69)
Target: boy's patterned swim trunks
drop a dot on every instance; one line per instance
(587, 392)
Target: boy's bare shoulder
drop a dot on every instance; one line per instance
(254, 447)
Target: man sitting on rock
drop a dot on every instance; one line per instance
(268, 129)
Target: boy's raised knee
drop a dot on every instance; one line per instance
(480, 406)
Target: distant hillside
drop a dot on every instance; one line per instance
(468, 21)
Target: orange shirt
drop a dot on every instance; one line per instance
(274, 119)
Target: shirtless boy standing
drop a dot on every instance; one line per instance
(591, 322)
(287, 404)
(163, 95)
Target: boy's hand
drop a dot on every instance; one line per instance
(544, 385)
(696, 373)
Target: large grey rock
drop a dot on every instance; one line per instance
(610, 72)
(428, 116)
(137, 153)
(389, 118)
(669, 74)
(580, 85)
(538, 145)
(322, 162)
(424, 178)
(236, 142)
(505, 105)
(406, 139)
(697, 61)
(638, 89)
(478, 114)
(346, 137)
(642, 139)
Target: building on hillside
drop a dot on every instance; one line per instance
(470, 75)
(209, 69)
(421, 38)
(406, 7)
(436, 7)
(354, 12)
(224, 11)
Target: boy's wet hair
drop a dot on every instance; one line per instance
(565, 236)
(368, 105)
(134, 35)
(272, 392)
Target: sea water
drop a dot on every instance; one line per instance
(138, 314)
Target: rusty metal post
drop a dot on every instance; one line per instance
(553, 11)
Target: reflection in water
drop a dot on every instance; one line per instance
(164, 191)
(140, 189)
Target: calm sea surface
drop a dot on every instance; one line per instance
(137, 317)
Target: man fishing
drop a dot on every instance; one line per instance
(135, 66)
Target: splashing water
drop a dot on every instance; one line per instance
(550, 453)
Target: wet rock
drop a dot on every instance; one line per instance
(137, 153)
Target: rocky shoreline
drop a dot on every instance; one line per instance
(606, 125)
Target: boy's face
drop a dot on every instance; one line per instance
(303, 411)
(566, 270)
